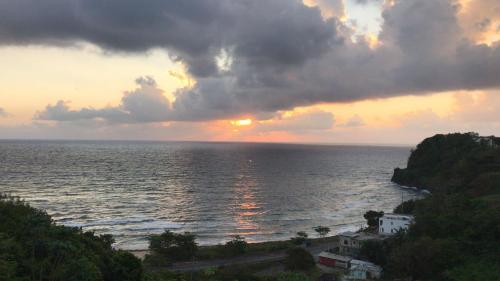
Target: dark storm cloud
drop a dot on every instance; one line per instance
(279, 31)
(283, 53)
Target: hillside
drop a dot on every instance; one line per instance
(454, 162)
(32, 247)
(456, 230)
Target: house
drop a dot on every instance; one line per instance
(357, 269)
(332, 260)
(392, 223)
(363, 270)
(350, 243)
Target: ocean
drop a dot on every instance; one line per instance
(262, 192)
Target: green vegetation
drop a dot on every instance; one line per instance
(32, 247)
(322, 230)
(456, 230)
(236, 246)
(452, 163)
(221, 251)
(372, 218)
(300, 238)
(293, 276)
(170, 247)
(374, 251)
(299, 259)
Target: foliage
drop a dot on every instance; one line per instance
(236, 246)
(300, 238)
(322, 230)
(449, 162)
(405, 208)
(298, 259)
(173, 246)
(220, 251)
(478, 270)
(32, 247)
(293, 276)
(372, 217)
(374, 251)
(163, 275)
(456, 230)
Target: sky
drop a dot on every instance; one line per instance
(311, 71)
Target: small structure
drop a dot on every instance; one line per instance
(350, 243)
(392, 223)
(333, 260)
(363, 270)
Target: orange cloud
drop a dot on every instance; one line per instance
(480, 20)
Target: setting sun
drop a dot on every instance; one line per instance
(243, 122)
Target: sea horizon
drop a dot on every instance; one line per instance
(370, 144)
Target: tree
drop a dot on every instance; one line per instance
(33, 247)
(174, 246)
(405, 208)
(372, 218)
(126, 267)
(299, 259)
(322, 230)
(300, 238)
(374, 251)
(237, 245)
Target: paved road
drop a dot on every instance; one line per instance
(243, 260)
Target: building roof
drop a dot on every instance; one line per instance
(397, 216)
(362, 236)
(334, 256)
(364, 266)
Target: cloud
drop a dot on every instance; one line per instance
(146, 104)
(281, 54)
(315, 120)
(364, 2)
(99, 130)
(193, 31)
(354, 121)
(329, 8)
(3, 113)
(480, 19)
(476, 108)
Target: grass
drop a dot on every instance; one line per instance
(220, 252)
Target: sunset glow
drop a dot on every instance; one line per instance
(243, 122)
(358, 82)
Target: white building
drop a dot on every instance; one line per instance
(392, 223)
(363, 270)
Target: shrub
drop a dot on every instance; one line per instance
(299, 259)
(300, 238)
(236, 246)
(322, 230)
(174, 246)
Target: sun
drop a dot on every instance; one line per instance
(242, 122)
